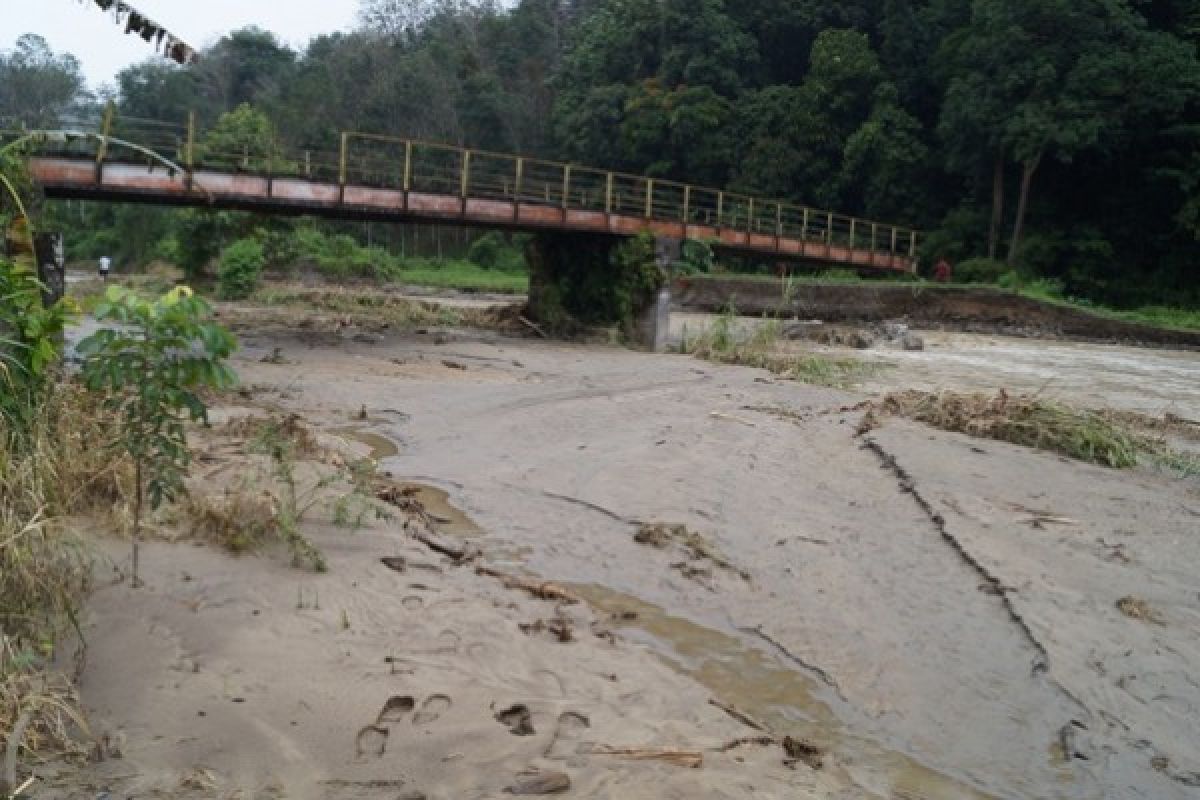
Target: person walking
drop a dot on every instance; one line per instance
(942, 271)
(105, 266)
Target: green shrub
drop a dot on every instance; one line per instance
(149, 368)
(486, 250)
(980, 270)
(695, 257)
(240, 269)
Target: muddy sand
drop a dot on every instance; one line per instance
(937, 617)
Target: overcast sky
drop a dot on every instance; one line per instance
(104, 49)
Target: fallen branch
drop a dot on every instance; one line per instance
(456, 552)
(8, 780)
(739, 715)
(532, 326)
(692, 759)
(758, 741)
(542, 589)
(589, 505)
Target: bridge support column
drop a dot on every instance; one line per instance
(580, 280)
(653, 322)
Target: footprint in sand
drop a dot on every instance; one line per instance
(567, 733)
(517, 719)
(371, 741)
(432, 709)
(395, 709)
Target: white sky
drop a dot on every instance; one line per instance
(104, 49)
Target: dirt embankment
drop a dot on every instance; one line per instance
(937, 308)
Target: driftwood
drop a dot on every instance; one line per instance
(692, 759)
(760, 741)
(739, 715)
(533, 327)
(543, 589)
(458, 552)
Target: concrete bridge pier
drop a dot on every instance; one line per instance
(653, 322)
(581, 280)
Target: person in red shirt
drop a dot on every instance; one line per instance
(942, 271)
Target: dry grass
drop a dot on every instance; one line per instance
(270, 499)
(57, 466)
(1025, 420)
(720, 344)
(376, 306)
(1139, 609)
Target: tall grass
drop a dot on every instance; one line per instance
(53, 463)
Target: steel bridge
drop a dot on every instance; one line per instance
(369, 176)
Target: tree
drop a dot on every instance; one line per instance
(1051, 78)
(38, 86)
(149, 367)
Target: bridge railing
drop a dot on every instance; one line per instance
(412, 165)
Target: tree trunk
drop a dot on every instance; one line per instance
(137, 520)
(1028, 169)
(997, 208)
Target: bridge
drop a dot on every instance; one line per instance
(402, 180)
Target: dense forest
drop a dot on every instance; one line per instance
(1059, 139)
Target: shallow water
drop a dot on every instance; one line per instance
(781, 698)
(1147, 380)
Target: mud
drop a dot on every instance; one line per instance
(901, 616)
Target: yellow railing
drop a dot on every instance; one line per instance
(413, 165)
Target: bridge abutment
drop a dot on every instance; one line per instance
(584, 280)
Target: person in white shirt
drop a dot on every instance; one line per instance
(105, 266)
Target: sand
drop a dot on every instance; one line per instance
(905, 603)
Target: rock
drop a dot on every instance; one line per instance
(540, 783)
(860, 341)
(912, 342)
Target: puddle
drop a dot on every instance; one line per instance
(783, 699)
(450, 520)
(381, 446)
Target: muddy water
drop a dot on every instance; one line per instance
(781, 698)
(1151, 381)
(381, 446)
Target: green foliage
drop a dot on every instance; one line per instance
(980, 270)
(149, 367)
(38, 85)
(919, 112)
(590, 280)
(31, 337)
(492, 250)
(242, 139)
(695, 257)
(240, 269)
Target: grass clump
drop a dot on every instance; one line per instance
(269, 507)
(1025, 420)
(721, 343)
(53, 463)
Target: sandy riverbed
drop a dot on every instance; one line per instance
(904, 602)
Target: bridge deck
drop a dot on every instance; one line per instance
(80, 178)
(406, 180)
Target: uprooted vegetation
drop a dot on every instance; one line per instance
(722, 344)
(373, 306)
(1112, 439)
(283, 474)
